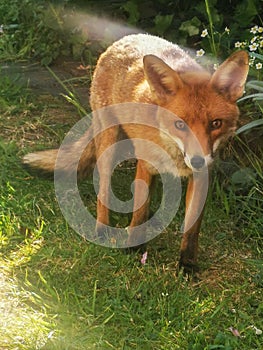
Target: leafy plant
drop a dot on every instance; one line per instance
(43, 30)
(257, 98)
(33, 29)
(241, 193)
(131, 7)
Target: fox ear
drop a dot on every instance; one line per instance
(230, 78)
(163, 80)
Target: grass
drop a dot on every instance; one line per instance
(61, 292)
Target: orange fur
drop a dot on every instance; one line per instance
(146, 69)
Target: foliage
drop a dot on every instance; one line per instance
(33, 29)
(182, 21)
(214, 42)
(241, 190)
(257, 98)
(43, 30)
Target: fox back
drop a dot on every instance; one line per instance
(119, 75)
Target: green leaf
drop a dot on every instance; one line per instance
(257, 55)
(245, 12)
(162, 23)
(132, 9)
(249, 126)
(255, 84)
(255, 97)
(191, 27)
(243, 177)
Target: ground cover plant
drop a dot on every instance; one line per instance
(59, 291)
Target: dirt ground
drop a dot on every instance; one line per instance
(49, 114)
(42, 82)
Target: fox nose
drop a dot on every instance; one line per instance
(197, 162)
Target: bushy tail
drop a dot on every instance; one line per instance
(68, 159)
(44, 160)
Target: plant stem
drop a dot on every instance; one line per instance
(94, 298)
(213, 45)
(71, 98)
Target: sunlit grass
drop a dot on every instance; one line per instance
(74, 295)
(24, 318)
(61, 292)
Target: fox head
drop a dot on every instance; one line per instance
(203, 105)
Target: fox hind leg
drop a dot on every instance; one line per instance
(104, 165)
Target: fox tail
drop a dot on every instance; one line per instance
(68, 159)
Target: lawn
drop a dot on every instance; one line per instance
(59, 291)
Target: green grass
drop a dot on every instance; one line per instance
(61, 292)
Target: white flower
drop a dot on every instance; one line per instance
(253, 47)
(259, 65)
(253, 39)
(254, 30)
(252, 61)
(200, 53)
(216, 65)
(260, 29)
(204, 33)
(261, 43)
(241, 44)
(227, 30)
(257, 331)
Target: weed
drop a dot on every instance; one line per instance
(70, 96)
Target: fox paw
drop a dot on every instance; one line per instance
(188, 267)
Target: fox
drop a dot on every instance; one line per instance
(149, 70)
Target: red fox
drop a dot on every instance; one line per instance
(146, 69)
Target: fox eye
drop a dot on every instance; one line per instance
(180, 125)
(216, 124)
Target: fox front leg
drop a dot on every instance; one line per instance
(144, 182)
(195, 201)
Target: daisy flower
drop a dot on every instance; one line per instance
(253, 47)
(200, 53)
(204, 33)
(254, 30)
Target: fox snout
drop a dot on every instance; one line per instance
(197, 152)
(197, 162)
(196, 145)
